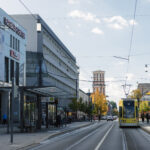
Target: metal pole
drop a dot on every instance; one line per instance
(77, 97)
(8, 114)
(12, 112)
(47, 115)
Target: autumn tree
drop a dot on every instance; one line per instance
(135, 94)
(100, 103)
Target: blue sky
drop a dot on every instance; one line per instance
(96, 30)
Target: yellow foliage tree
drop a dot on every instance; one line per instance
(136, 94)
(100, 102)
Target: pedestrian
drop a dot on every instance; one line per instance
(142, 116)
(147, 117)
(4, 118)
(58, 120)
(99, 117)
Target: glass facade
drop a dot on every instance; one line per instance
(30, 111)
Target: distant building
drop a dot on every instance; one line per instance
(144, 88)
(99, 81)
(110, 108)
(85, 97)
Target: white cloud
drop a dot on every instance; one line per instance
(79, 25)
(85, 86)
(130, 76)
(85, 16)
(71, 33)
(121, 63)
(97, 31)
(73, 1)
(118, 22)
(114, 90)
(115, 26)
(67, 27)
(131, 22)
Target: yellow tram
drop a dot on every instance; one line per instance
(128, 112)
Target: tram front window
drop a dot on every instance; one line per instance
(128, 111)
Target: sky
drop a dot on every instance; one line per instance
(95, 31)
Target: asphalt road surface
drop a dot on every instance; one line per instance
(99, 136)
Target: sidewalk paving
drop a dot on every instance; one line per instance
(145, 126)
(22, 140)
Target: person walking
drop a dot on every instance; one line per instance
(99, 117)
(4, 118)
(147, 117)
(142, 116)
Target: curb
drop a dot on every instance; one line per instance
(31, 145)
(146, 130)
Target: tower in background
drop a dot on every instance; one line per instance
(99, 81)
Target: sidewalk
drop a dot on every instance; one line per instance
(145, 126)
(22, 140)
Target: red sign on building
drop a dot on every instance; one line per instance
(14, 54)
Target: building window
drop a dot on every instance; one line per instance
(11, 69)
(13, 46)
(11, 41)
(6, 69)
(16, 41)
(18, 46)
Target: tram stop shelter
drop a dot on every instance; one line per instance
(28, 105)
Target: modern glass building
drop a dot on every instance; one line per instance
(51, 67)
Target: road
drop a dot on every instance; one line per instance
(99, 136)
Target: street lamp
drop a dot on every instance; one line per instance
(146, 67)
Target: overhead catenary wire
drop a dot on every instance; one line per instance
(27, 9)
(130, 45)
(98, 16)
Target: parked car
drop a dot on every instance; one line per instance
(104, 118)
(114, 117)
(110, 118)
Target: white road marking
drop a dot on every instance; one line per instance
(104, 137)
(124, 141)
(85, 137)
(65, 135)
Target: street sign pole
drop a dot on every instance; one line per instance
(12, 111)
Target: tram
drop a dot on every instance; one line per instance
(128, 112)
